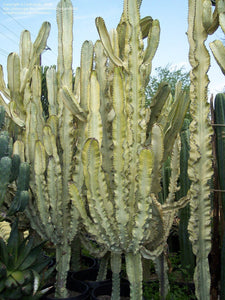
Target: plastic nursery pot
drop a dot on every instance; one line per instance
(89, 276)
(88, 261)
(104, 291)
(78, 291)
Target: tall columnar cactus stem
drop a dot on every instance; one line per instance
(220, 150)
(200, 162)
(64, 68)
(218, 51)
(220, 141)
(55, 150)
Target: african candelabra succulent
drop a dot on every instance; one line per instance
(121, 168)
(119, 146)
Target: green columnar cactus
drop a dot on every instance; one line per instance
(218, 51)
(12, 173)
(121, 169)
(201, 23)
(220, 150)
(220, 139)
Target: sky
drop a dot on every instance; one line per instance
(15, 16)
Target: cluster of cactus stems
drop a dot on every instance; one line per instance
(121, 167)
(187, 257)
(14, 174)
(96, 161)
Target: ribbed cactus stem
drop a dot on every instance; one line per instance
(161, 267)
(102, 272)
(222, 278)
(187, 257)
(135, 275)
(63, 253)
(220, 142)
(2, 117)
(116, 268)
(200, 161)
(220, 150)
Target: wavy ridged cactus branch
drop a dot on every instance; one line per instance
(200, 162)
(121, 170)
(217, 46)
(54, 152)
(20, 69)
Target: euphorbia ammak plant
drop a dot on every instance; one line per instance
(120, 145)
(121, 167)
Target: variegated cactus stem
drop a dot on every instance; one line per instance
(20, 68)
(200, 161)
(54, 153)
